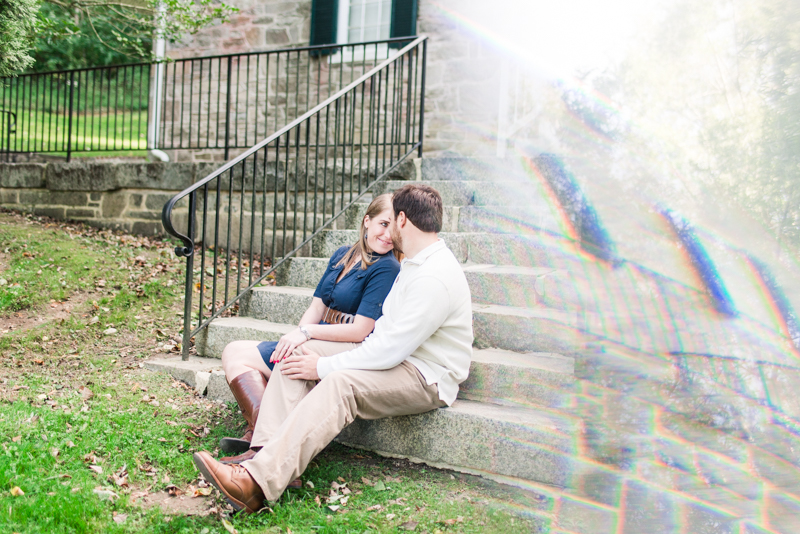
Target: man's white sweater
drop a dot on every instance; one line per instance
(427, 320)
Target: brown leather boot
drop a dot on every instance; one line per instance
(233, 481)
(249, 454)
(247, 388)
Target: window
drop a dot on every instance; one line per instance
(364, 20)
(355, 21)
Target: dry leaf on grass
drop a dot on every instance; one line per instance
(120, 518)
(86, 393)
(202, 492)
(229, 527)
(174, 491)
(104, 493)
(409, 525)
(97, 469)
(17, 492)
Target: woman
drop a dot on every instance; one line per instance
(346, 304)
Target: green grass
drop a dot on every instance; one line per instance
(124, 133)
(72, 397)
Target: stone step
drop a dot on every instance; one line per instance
(490, 284)
(542, 250)
(471, 436)
(477, 169)
(505, 327)
(496, 376)
(210, 341)
(511, 378)
(476, 193)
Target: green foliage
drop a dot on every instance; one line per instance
(71, 34)
(67, 41)
(714, 90)
(17, 18)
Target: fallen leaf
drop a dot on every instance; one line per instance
(17, 492)
(310, 484)
(174, 491)
(374, 507)
(54, 452)
(109, 331)
(367, 481)
(120, 518)
(16, 439)
(345, 491)
(229, 527)
(97, 469)
(333, 507)
(202, 492)
(343, 501)
(86, 393)
(379, 486)
(409, 525)
(316, 500)
(38, 362)
(390, 516)
(340, 479)
(104, 494)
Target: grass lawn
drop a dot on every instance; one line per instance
(92, 442)
(93, 135)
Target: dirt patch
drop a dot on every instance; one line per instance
(173, 504)
(55, 311)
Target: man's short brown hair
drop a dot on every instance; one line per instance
(422, 205)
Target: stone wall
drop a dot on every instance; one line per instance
(127, 196)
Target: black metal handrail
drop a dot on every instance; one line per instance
(308, 172)
(220, 103)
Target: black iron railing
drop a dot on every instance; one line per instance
(84, 110)
(219, 103)
(242, 221)
(8, 127)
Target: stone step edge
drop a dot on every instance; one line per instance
(206, 376)
(554, 315)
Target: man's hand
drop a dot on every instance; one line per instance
(301, 366)
(287, 344)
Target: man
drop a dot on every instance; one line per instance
(413, 362)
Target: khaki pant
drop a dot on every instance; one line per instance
(298, 418)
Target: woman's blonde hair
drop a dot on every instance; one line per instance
(378, 205)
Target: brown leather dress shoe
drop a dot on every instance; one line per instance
(233, 481)
(249, 455)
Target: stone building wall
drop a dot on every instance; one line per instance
(463, 86)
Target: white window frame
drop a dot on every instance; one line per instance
(348, 55)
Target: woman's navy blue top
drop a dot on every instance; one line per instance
(359, 292)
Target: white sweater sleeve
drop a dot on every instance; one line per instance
(419, 313)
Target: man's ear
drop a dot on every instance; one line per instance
(401, 219)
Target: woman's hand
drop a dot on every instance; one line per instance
(287, 344)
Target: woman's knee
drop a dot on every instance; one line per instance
(234, 354)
